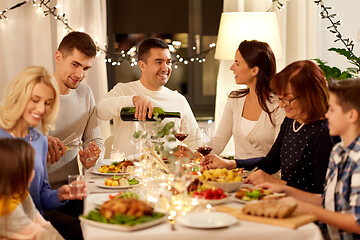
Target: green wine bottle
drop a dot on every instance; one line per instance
(128, 114)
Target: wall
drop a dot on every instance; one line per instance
(348, 12)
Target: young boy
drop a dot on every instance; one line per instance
(339, 205)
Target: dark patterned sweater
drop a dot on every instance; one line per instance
(302, 156)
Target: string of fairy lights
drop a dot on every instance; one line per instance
(116, 58)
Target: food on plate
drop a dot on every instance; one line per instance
(247, 194)
(272, 208)
(120, 181)
(197, 170)
(210, 194)
(222, 175)
(128, 207)
(124, 211)
(126, 195)
(197, 189)
(195, 186)
(118, 167)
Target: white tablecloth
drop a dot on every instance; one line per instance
(241, 230)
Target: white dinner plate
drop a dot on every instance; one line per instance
(275, 195)
(101, 183)
(95, 170)
(206, 220)
(214, 201)
(119, 227)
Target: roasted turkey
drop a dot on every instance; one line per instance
(129, 207)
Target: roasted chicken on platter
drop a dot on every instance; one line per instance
(129, 207)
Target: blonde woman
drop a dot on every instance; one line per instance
(31, 99)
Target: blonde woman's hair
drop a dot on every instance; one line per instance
(18, 93)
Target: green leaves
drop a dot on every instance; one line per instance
(336, 73)
(333, 72)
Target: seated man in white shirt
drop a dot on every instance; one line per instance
(154, 60)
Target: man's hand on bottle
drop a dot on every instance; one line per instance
(142, 104)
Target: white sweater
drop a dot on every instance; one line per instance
(121, 96)
(259, 140)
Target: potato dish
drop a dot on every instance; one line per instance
(222, 175)
(118, 167)
(120, 181)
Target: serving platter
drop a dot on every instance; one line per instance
(119, 227)
(273, 195)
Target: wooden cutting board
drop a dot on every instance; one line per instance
(293, 222)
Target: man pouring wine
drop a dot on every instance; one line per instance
(154, 60)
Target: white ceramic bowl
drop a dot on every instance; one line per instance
(226, 186)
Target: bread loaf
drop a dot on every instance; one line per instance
(271, 208)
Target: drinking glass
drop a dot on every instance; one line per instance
(182, 130)
(203, 138)
(72, 141)
(140, 131)
(77, 186)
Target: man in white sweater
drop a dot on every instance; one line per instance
(154, 60)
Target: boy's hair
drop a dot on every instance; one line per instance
(79, 40)
(148, 44)
(18, 93)
(17, 164)
(347, 93)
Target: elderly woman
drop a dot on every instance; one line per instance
(302, 148)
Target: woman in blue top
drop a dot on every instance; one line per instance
(32, 98)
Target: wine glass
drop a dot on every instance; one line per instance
(182, 131)
(203, 138)
(138, 139)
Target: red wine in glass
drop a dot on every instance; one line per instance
(204, 150)
(181, 136)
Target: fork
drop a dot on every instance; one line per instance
(172, 223)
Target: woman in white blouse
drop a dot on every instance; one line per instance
(251, 115)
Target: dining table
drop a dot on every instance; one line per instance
(241, 229)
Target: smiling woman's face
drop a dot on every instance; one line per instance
(290, 103)
(42, 98)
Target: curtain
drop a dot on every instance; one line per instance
(299, 25)
(27, 38)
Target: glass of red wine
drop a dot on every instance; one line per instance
(203, 138)
(182, 130)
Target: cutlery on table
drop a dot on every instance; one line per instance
(250, 172)
(172, 223)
